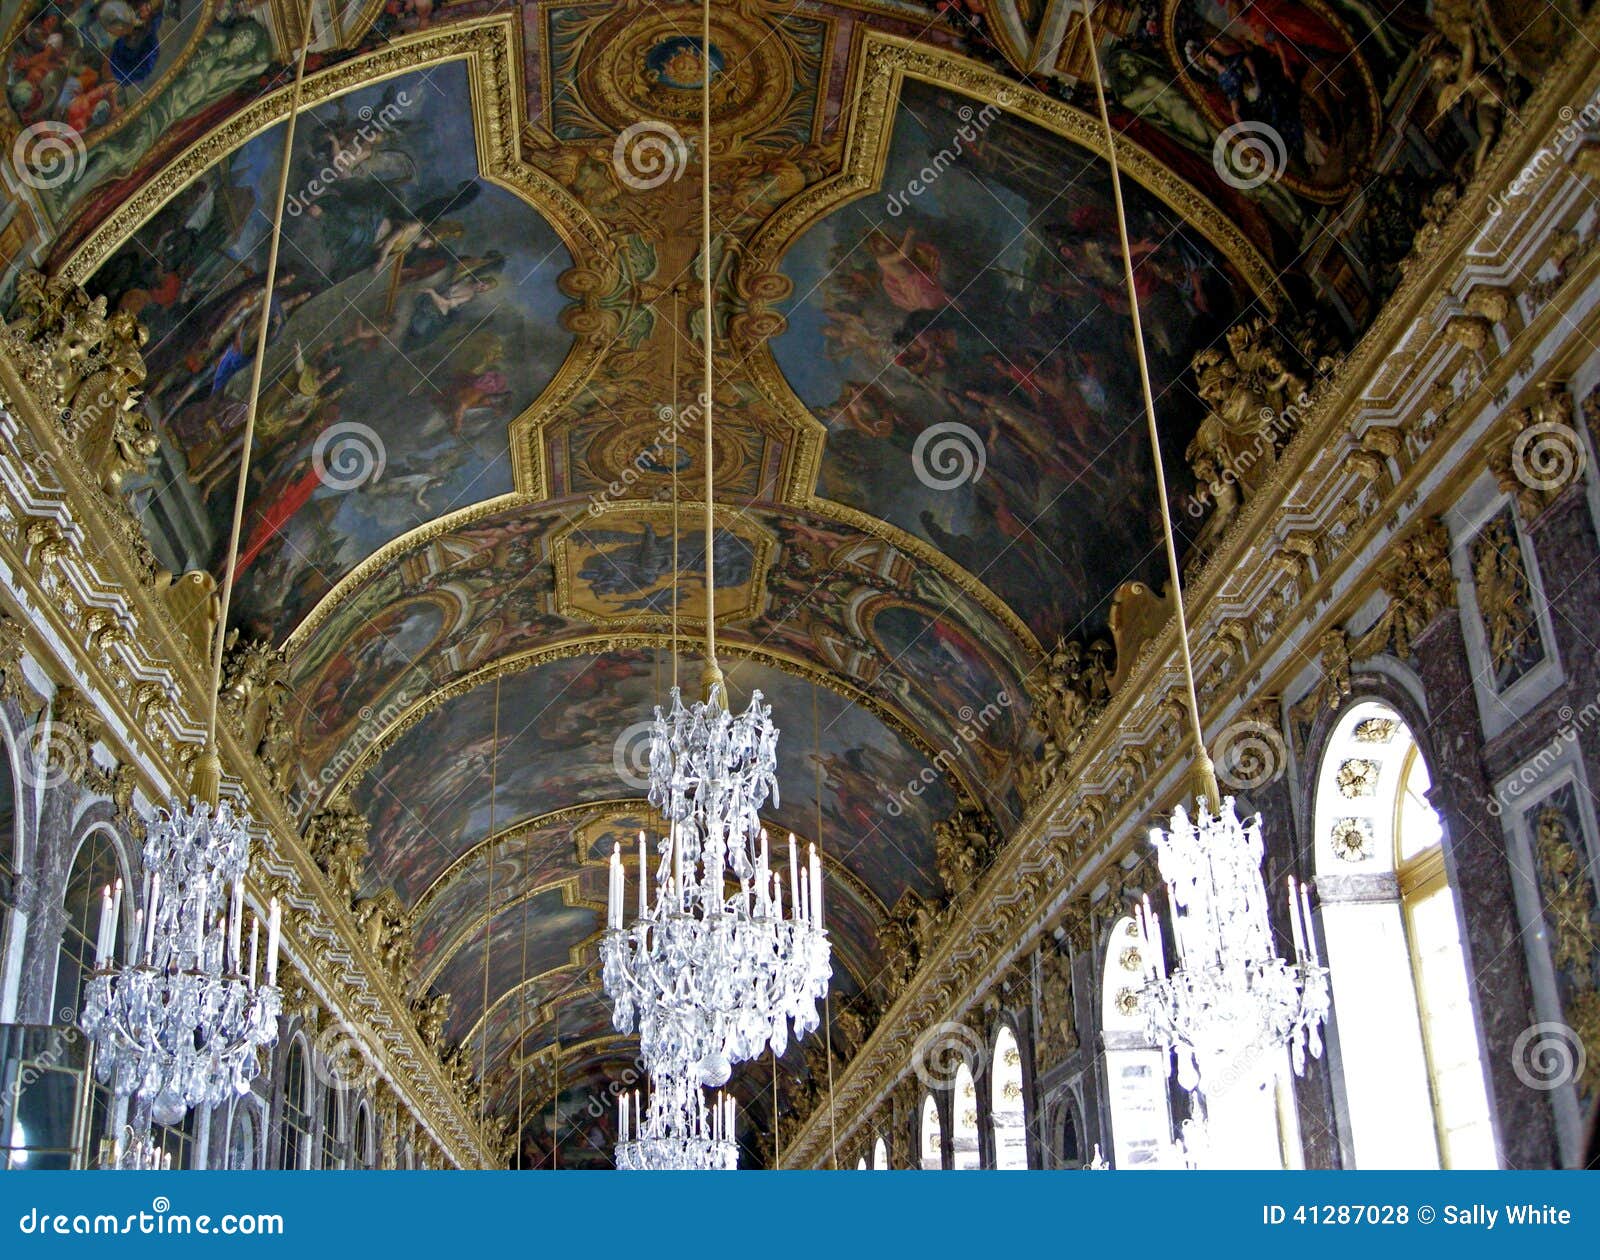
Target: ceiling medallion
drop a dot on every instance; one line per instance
(649, 65)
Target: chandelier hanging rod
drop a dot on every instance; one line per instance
(207, 781)
(1205, 772)
(711, 679)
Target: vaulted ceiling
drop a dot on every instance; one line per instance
(466, 480)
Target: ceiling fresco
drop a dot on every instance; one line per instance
(1006, 429)
(479, 407)
(415, 317)
(830, 596)
(562, 741)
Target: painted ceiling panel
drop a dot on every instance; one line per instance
(416, 315)
(949, 471)
(533, 936)
(826, 594)
(969, 351)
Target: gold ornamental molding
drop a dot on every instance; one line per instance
(882, 64)
(492, 50)
(1286, 598)
(574, 816)
(579, 817)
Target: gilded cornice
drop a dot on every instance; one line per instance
(1078, 834)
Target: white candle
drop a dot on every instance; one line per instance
(116, 917)
(138, 936)
(614, 904)
(794, 874)
(1294, 922)
(1158, 949)
(100, 944)
(816, 888)
(1310, 923)
(149, 920)
(274, 932)
(255, 946)
(777, 898)
(236, 924)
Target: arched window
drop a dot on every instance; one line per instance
(94, 869)
(296, 1144)
(932, 1136)
(964, 1121)
(242, 1136)
(880, 1154)
(861, 1164)
(332, 1128)
(10, 869)
(1005, 1103)
(361, 1140)
(1410, 1056)
(1070, 1153)
(1136, 1070)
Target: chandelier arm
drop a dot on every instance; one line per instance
(207, 783)
(1204, 770)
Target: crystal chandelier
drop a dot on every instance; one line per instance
(134, 1153)
(676, 1129)
(716, 967)
(1232, 1004)
(181, 1021)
